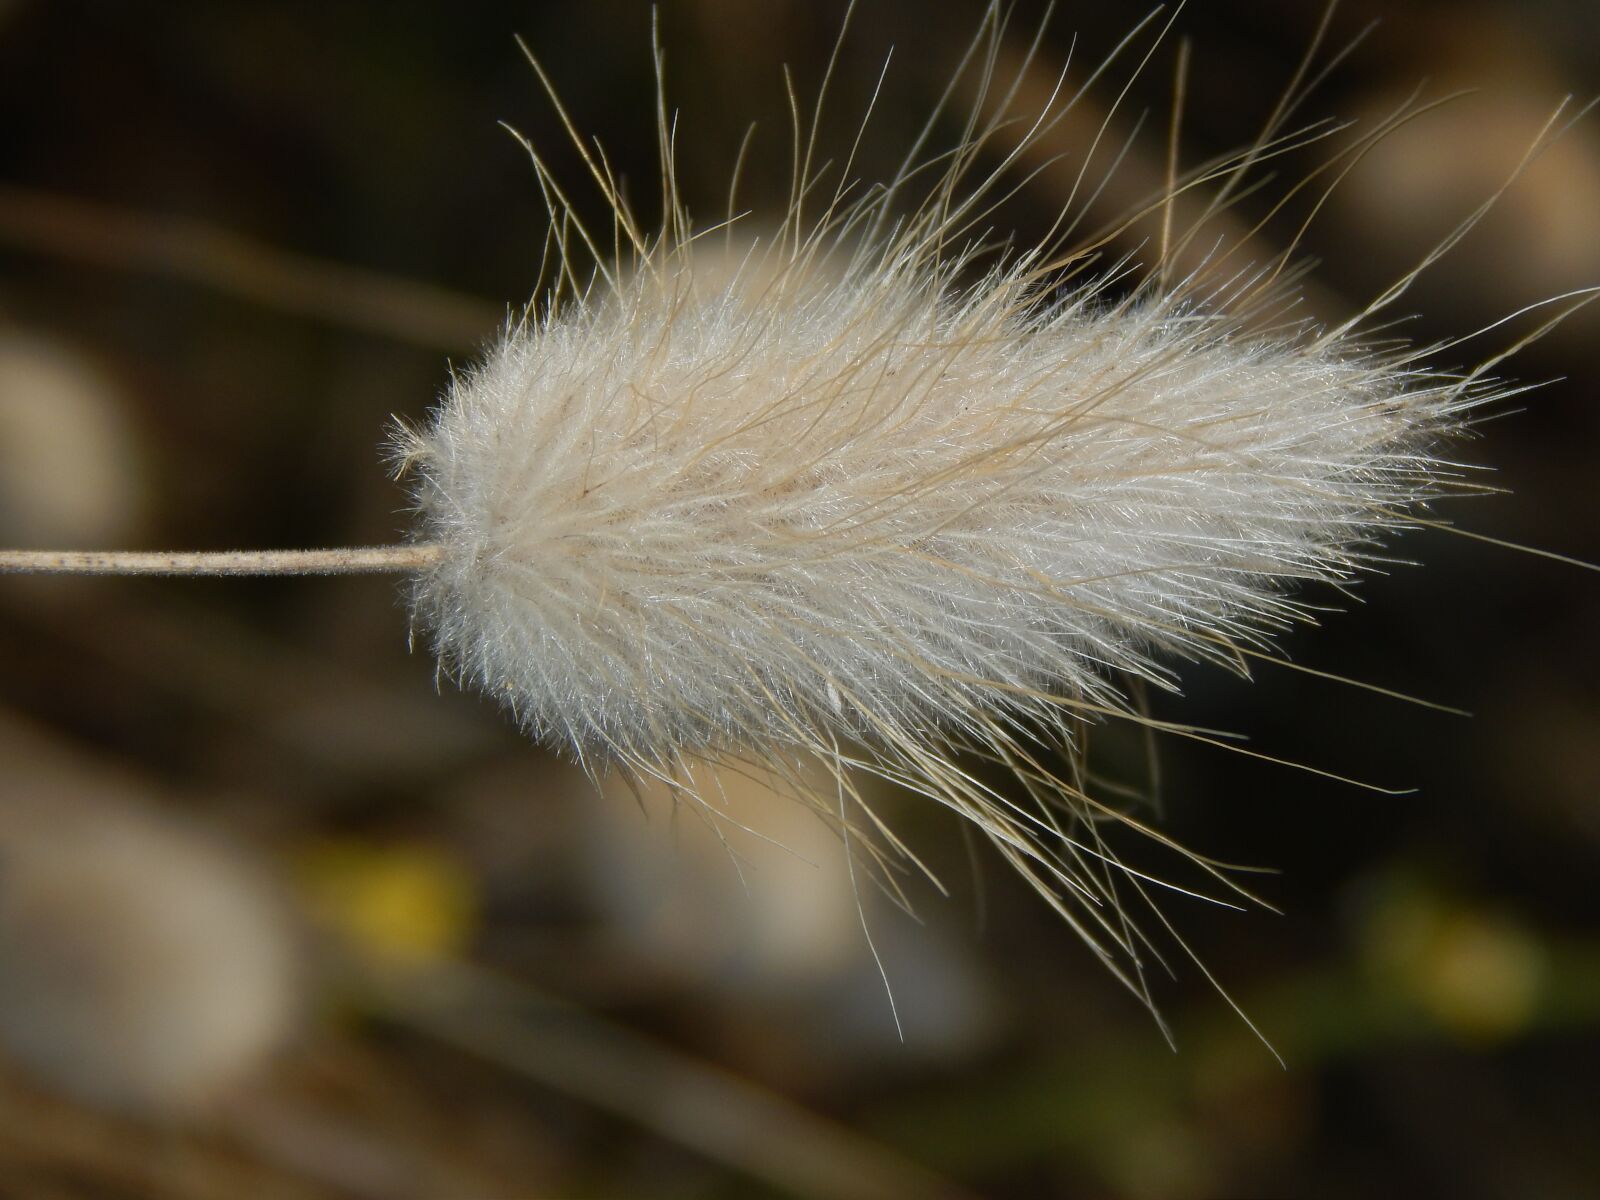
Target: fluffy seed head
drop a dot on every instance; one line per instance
(873, 493)
(697, 517)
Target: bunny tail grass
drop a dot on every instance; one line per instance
(342, 560)
(870, 490)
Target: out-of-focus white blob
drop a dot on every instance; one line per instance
(69, 462)
(144, 966)
(758, 896)
(750, 894)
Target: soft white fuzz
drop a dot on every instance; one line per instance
(868, 496)
(876, 508)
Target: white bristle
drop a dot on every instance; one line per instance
(874, 507)
(879, 496)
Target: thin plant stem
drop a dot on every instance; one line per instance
(339, 560)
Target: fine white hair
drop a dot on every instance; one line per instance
(874, 494)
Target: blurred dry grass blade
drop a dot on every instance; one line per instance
(237, 266)
(689, 1102)
(312, 710)
(53, 1150)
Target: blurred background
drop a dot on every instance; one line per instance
(280, 917)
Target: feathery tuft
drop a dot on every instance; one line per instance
(841, 500)
(690, 519)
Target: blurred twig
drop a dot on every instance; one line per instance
(50, 1147)
(685, 1100)
(44, 223)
